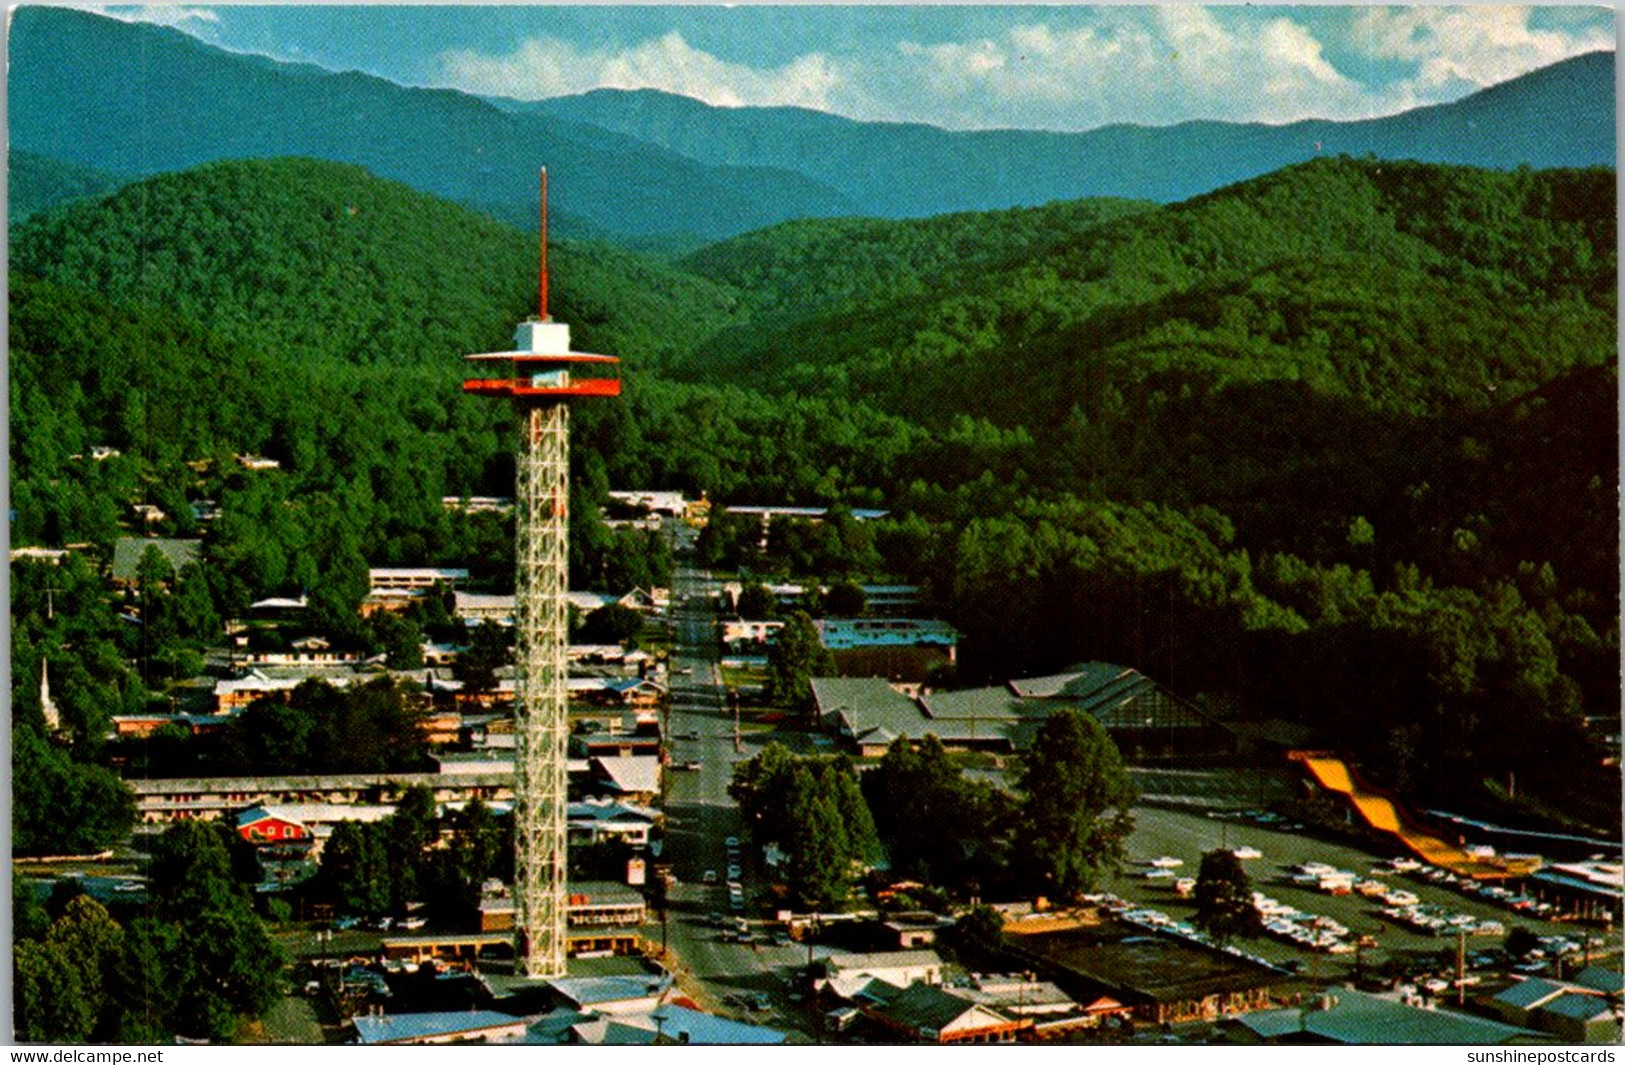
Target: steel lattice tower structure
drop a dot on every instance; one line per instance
(540, 386)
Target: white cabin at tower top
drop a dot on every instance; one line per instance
(543, 366)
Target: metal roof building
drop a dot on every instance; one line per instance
(1354, 1018)
(455, 1026)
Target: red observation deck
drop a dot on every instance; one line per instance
(543, 368)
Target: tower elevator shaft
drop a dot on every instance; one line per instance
(541, 614)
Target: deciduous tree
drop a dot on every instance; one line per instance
(1075, 814)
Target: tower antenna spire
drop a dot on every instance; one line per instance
(541, 274)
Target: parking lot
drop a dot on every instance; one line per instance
(1166, 834)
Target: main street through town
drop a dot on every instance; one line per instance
(746, 979)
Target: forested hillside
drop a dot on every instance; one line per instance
(1335, 445)
(1500, 278)
(35, 182)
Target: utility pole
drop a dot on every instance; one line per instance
(1461, 967)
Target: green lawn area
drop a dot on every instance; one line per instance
(735, 677)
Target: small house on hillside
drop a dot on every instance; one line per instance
(129, 550)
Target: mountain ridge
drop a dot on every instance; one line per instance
(143, 99)
(140, 99)
(1500, 127)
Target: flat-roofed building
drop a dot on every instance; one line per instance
(749, 637)
(413, 578)
(1591, 890)
(474, 607)
(1162, 979)
(424, 1029)
(478, 504)
(212, 798)
(901, 649)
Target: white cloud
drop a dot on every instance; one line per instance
(163, 15)
(547, 66)
(1461, 48)
(1156, 66)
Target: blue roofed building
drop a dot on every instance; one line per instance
(453, 1026)
(900, 649)
(625, 994)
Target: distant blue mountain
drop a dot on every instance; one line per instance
(138, 99)
(141, 99)
(1559, 116)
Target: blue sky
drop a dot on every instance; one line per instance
(962, 67)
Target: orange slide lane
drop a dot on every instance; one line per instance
(1383, 813)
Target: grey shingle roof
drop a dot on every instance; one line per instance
(919, 1006)
(127, 552)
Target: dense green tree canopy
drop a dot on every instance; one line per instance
(1075, 815)
(1299, 438)
(1224, 898)
(796, 657)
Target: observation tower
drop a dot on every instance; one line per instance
(540, 378)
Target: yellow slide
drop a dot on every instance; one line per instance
(1382, 812)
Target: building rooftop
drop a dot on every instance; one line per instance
(925, 1007)
(602, 893)
(1577, 1005)
(599, 991)
(1358, 1019)
(682, 1025)
(891, 959)
(839, 634)
(1527, 994)
(315, 813)
(1600, 978)
(1139, 967)
(418, 1027)
(971, 705)
(127, 552)
(610, 810)
(631, 774)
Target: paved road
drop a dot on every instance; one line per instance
(699, 819)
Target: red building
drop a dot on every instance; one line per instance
(259, 825)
